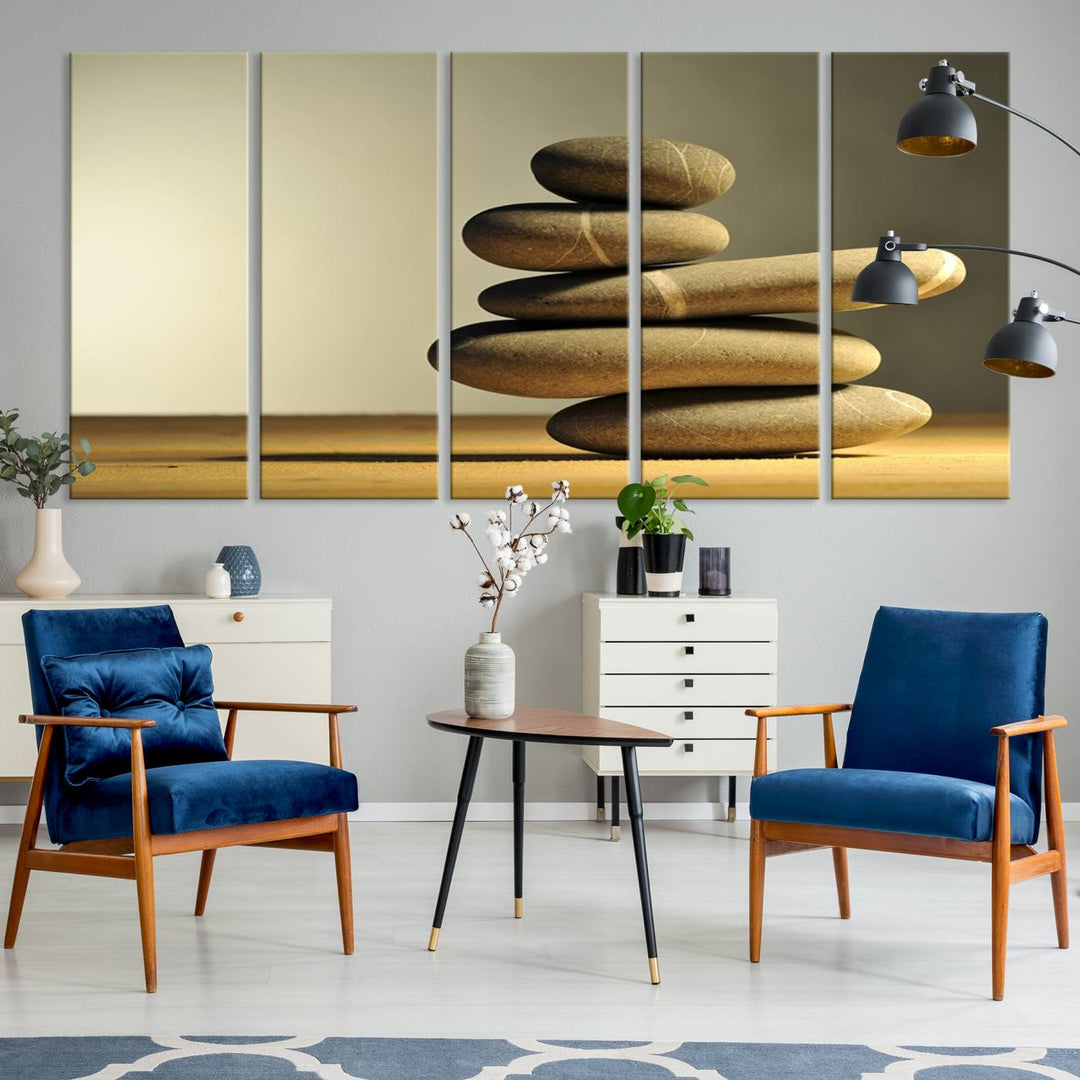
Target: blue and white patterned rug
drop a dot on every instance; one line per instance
(284, 1058)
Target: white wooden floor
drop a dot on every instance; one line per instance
(912, 965)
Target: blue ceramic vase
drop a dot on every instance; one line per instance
(243, 568)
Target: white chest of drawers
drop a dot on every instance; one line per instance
(686, 666)
(277, 650)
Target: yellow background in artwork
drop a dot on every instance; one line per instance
(506, 106)
(159, 238)
(349, 242)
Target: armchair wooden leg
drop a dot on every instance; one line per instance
(144, 861)
(343, 866)
(839, 858)
(1055, 829)
(206, 871)
(28, 840)
(1000, 870)
(757, 888)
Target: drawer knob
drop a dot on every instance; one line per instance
(238, 616)
(688, 715)
(688, 684)
(688, 650)
(689, 616)
(688, 747)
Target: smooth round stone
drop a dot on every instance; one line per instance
(678, 174)
(583, 236)
(722, 422)
(774, 284)
(588, 361)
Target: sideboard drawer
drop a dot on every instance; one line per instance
(686, 691)
(691, 723)
(214, 621)
(709, 757)
(688, 620)
(689, 657)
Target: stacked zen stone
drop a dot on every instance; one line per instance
(721, 376)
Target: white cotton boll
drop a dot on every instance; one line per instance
(541, 559)
(486, 580)
(459, 521)
(563, 526)
(487, 600)
(560, 490)
(553, 518)
(536, 541)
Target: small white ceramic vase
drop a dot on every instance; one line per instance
(48, 575)
(489, 678)
(218, 582)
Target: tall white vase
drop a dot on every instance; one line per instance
(48, 575)
(489, 678)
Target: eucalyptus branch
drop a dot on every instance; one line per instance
(48, 462)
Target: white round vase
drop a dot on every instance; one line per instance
(48, 575)
(489, 678)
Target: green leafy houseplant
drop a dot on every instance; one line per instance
(39, 466)
(650, 508)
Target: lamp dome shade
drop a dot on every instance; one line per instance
(937, 125)
(885, 281)
(1024, 349)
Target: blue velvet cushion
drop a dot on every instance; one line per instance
(173, 687)
(64, 632)
(208, 795)
(883, 799)
(933, 684)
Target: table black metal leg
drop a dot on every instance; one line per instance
(465, 789)
(519, 825)
(600, 799)
(615, 800)
(637, 827)
(731, 798)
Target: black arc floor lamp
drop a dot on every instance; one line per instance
(940, 124)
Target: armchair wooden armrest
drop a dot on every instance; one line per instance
(1029, 727)
(330, 711)
(797, 710)
(282, 706)
(761, 766)
(88, 721)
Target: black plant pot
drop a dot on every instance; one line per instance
(664, 555)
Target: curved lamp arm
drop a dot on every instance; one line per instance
(1016, 112)
(1003, 251)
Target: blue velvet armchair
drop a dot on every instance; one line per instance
(947, 752)
(132, 763)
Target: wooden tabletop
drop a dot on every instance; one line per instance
(530, 724)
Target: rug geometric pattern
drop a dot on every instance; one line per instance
(291, 1058)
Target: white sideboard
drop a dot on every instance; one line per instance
(688, 666)
(266, 648)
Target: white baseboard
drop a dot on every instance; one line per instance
(12, 814)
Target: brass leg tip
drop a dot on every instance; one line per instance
(600, 813)
(654, 971)
(519, 907)
(433, 940)
(616, 832)
(731, 813)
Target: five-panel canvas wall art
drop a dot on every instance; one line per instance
(554, 277)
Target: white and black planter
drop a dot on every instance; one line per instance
(664, 555)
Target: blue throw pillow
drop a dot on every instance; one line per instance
(172, 686)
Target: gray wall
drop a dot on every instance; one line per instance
(404, 606)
